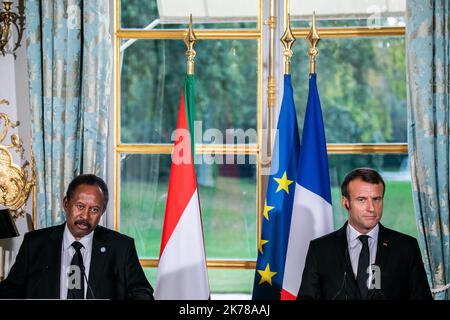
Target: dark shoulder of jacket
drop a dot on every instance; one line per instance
(400, 238)
(44, 233)
(326, 240)
(113, 236)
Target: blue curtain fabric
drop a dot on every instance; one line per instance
(69, 54)
(427, 47)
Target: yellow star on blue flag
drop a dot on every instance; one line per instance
(266, 210)
(260, 245)
(275, 224)
(266, 275)
(283, 183)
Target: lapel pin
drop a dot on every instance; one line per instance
(102, 249)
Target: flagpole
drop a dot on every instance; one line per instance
(190, 40)
(288, 40)
(178, 271)
(313, 38)
(271, 80)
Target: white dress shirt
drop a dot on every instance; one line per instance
(355, 245)
(67, 252)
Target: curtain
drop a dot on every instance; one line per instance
(427, 49)
(69, 53)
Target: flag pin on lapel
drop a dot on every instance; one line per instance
(102, 249)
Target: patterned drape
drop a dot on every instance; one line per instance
(427, 49)
(69, 53)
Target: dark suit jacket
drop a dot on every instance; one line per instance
(115, 272)
(328, 273)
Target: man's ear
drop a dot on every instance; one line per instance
(65, 203)
(345, 203)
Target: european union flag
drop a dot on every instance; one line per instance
(272, 246)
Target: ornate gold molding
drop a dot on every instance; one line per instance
(199, 149)
(339, 32)
(201, 34)
(217, 264)
(190, 40)
(361, 148)
(271, 91)
(288, 40)
(350, 32)
(270, 22)
(313, 39)
(16, 181)
(332, 148)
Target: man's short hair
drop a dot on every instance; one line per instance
(365, 174)
(89, 179)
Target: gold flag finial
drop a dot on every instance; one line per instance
(190, 40)
(288, 40)
(313, 38)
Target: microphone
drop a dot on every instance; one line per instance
(343, 287)
(344, 280)
(85, 277)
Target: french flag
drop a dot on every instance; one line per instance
(312, 211)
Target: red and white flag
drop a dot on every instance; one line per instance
(182, 272)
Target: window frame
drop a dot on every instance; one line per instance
(260, 35)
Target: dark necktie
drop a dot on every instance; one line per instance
(77, 262)
(363, 264)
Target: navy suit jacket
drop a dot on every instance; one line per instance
(115, 272)
(328, 273)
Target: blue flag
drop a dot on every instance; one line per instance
(276, 222)
(312, 212)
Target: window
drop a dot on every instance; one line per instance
(362, 86)
(151, 68)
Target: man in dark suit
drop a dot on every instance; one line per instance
(78, 259)
(364, 260)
